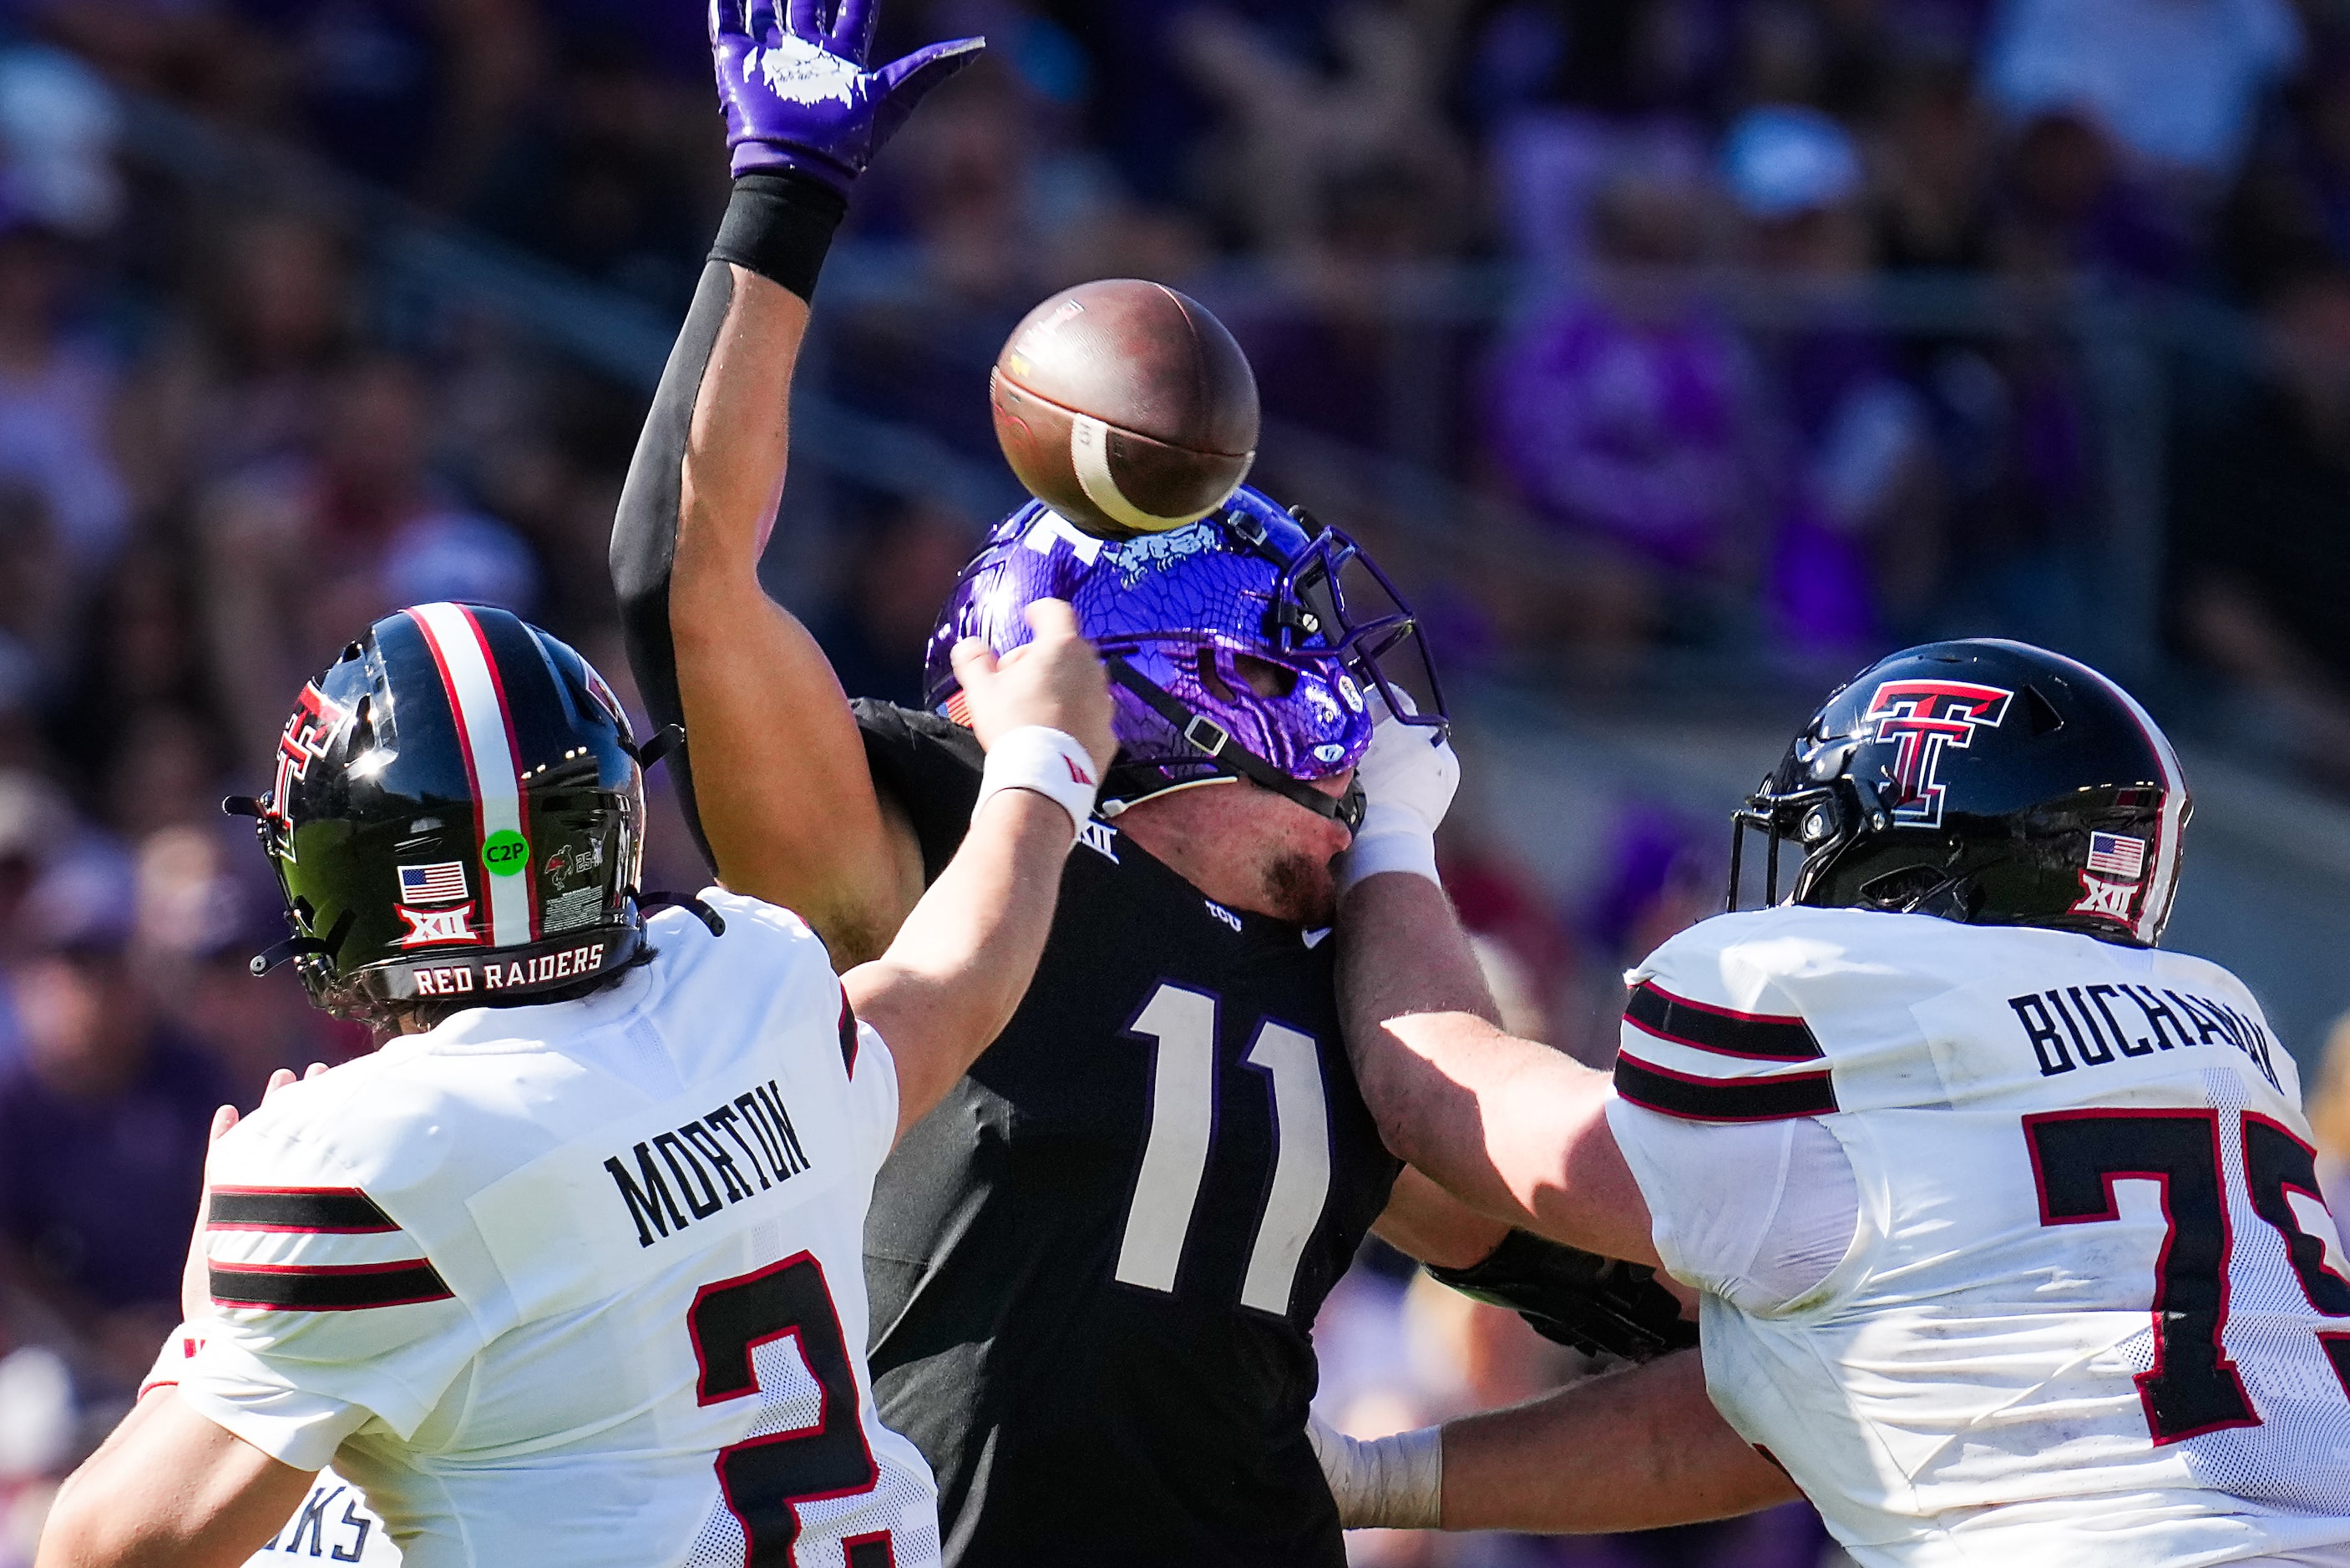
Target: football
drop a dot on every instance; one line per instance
(1125, 407)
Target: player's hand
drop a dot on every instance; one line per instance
(1055, 680)
(1410, 768)
(196, 1278)
(1408, 777)
(796, 92)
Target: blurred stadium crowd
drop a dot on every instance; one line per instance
(1655, 342)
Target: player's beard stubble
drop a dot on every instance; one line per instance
(1300, 889)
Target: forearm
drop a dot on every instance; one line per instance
(1631, 1450)
(774, 776)
(1513, 1129)
(1424, 1221)
(964, 959)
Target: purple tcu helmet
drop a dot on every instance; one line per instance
(1231, 646)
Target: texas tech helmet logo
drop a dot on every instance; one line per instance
(1921, 718)
(309, 733)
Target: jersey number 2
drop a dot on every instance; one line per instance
(1182, 1120)
(2077, 1156)
(766, 1476)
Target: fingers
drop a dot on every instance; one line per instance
(1053, 617)
(852, 30)
(223, 1119)
(905, 83)
(804, 19)
(315, 1068)
(277, 1080)
(973, 660)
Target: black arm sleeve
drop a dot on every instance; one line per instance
(778, 225)
(1596, 1304)
(644, 531)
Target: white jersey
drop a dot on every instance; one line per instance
(2093, 1310)
(582, 1282)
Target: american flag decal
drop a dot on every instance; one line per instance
(442, 883)
(2115, 854)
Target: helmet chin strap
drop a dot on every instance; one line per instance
(1215, 744)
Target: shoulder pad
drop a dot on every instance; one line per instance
(930, 766)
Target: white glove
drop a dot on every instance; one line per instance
(1387, 1483)
(1408, 776)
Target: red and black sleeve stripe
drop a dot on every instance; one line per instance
(1697, 1099)
(350, 1287)
(1750, 1036)
(311, 1211)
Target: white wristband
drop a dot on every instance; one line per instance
(1387, 1483)
(1392, 841)
(1047, 761)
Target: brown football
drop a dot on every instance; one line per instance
(1125, 407)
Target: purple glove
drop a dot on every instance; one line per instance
(796, 94)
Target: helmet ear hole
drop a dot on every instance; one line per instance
(1212, 679)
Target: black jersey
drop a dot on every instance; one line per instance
(1095, 1267)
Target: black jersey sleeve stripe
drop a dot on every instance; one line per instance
(331, 1288)
(1751, 1036)
(1723, 1100)
(315, 1211)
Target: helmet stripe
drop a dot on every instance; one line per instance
(486, 736)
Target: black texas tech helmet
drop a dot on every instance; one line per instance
(1986, 781)
(457, 812)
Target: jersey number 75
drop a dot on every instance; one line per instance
(2077, 1156)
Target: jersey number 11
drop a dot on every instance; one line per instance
(1182, 1120)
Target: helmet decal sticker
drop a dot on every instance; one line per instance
(309, 731)
(2114, 900)
(1921, 718)
(2117, 855)
(1350, 692)
(436, 927)
(443, 882)
(507, 853)
(1138, 558)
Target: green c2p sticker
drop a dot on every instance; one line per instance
(506, 853)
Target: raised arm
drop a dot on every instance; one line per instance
(963, 960)
(773, 777)
(1513, 1129)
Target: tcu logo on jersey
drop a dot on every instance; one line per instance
(1921, 718)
